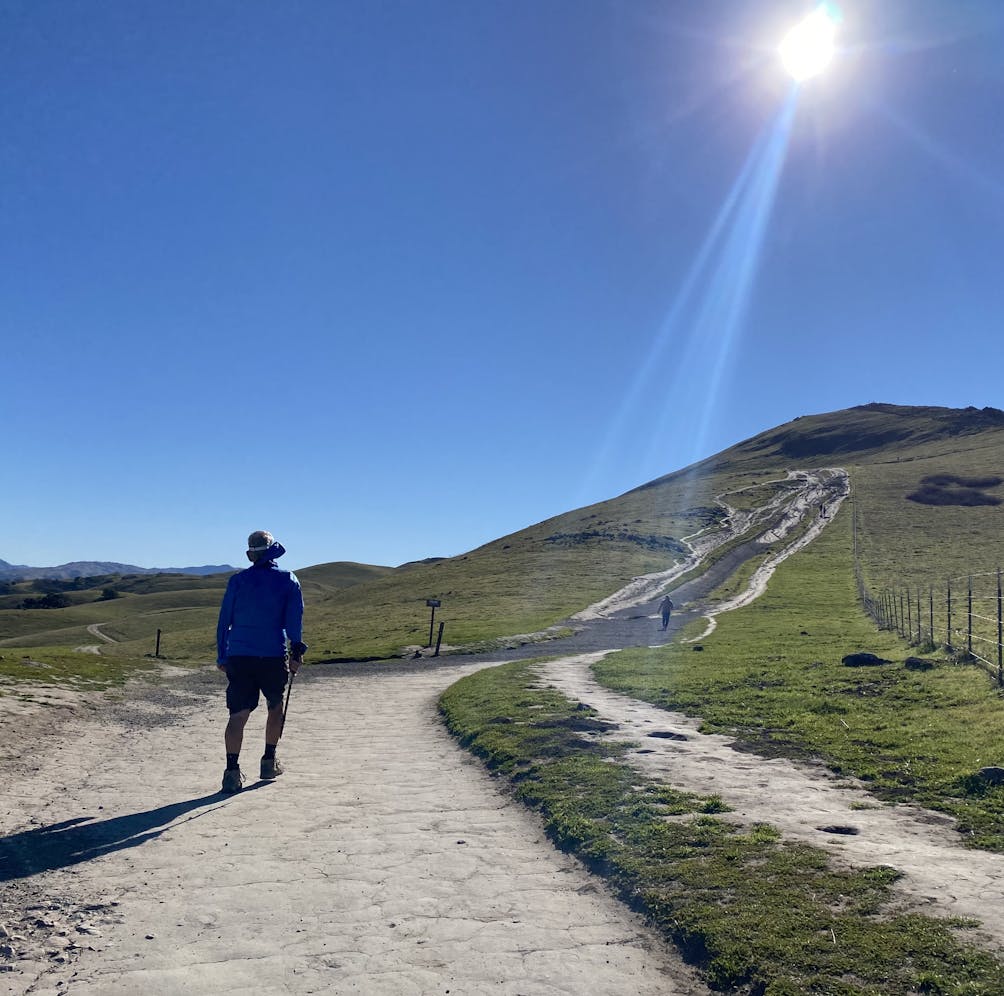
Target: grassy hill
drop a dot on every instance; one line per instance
(925, 484)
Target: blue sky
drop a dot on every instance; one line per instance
(395, 279)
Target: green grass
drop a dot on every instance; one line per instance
(754, 913)
(24, 673)
(532, 580)
(771, 675)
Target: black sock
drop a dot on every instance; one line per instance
(269, 752)
(232, 762)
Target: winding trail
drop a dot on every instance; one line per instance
(385, 861)
(95, 648)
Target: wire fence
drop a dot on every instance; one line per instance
(964, 615)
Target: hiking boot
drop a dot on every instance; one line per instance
(270, 768)
(233, 780)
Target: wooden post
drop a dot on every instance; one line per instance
(439, 639)
(1000, 634)
(156, 653)
(909, 615)
(902, 617)
(919, 621)
(969, 636)
(931, 612)
(948, 627)
(433, 604)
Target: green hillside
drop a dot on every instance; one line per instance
(534, 579)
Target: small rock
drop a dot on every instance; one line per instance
(863, 660)
(697, 646)
(917, 664)
(992, 775)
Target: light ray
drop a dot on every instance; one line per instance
(707, 340)
(669, 329)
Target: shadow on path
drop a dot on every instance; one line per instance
(73, 841)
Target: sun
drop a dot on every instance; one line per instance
(808, 47)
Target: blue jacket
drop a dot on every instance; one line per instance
(262, 607)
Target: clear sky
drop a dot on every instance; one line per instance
(395, 279)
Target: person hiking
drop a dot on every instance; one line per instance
(261, 609)
(665, 608)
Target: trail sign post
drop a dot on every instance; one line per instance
(433, 604)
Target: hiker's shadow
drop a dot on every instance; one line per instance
(71, 842)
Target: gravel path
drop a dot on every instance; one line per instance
(385, 861)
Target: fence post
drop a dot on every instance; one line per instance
(909, 614)
(948, 627)
(1000, 634)
(919, 623)
(930, 617)
(902, 616)
(969, 627)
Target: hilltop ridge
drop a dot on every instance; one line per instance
(98, 568)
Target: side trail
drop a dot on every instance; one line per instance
(806, 802)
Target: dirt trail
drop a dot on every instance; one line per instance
(385, 861)
(941, 876)
(94, 648)
(805, 491)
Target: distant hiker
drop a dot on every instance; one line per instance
(262, 608)
(665, 608)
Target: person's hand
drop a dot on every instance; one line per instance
(295, 663)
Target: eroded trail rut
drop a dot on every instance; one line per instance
(806, 802)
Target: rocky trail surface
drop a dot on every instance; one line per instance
(384, 861)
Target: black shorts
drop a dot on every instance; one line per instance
(251, 675)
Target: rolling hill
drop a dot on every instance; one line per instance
(93, 568)
(927, 487)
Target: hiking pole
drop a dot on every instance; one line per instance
(285, 706)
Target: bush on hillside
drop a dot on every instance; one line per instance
(54, 600)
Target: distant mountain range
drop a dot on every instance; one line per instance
(96, 568)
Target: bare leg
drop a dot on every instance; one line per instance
(273, 725)
(233, 737)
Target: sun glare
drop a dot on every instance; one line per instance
(808, 47)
